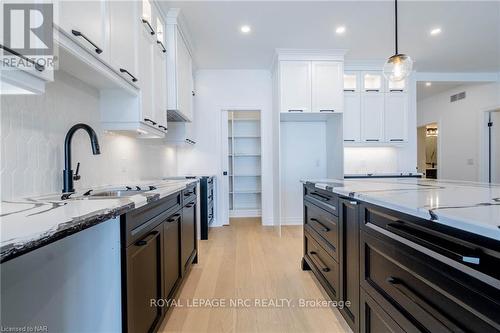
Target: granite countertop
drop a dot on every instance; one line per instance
(469, 206)
(29, 223)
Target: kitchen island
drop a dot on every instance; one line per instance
(94, 263)
(407, 254)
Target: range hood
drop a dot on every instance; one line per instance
(175, 116)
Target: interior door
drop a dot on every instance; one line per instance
(495, 147)
(223, 188)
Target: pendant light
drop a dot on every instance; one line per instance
(398, 67)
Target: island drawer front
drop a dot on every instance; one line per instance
(479, 253)
(324, 199)
(325, 224)
(374, 318)
(140, 216)
(422, 295)
(324, 264)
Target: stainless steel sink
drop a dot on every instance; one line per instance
(116, 193)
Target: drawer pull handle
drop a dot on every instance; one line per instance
(123, 70)
(162, 46)
(324, 268)
(439, 245)
(331, 110)
(295, 110)
(37, 66)
(147, 239)
(323, 228)
(77, 33)
(428, 309)
(146, 22)
(174, 218)
(322, 197)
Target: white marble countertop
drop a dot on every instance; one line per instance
(469, 206)
(29, 223)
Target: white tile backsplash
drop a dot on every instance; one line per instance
(362, 160)
(33, 128)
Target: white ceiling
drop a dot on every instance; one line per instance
(436, 88)
(469, 42)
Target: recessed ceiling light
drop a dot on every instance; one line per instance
(428, 84)
(245, 29)
(340, 30)
(435, 31)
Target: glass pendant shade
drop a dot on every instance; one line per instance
(398, 67)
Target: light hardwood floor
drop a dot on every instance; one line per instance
(248, 261)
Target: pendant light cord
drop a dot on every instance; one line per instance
(396, 23)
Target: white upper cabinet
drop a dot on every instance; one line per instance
(351, 82)
(372, 81)
(295, 78)
(399, 86)
(123, 38)
(160, 74)
(184, 78)
(352, 117)
(145, 69)
(327, 86)
(396, 117)
(372, 117)
(87, 23)
(179, 70)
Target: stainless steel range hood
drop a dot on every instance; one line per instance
(175, 116)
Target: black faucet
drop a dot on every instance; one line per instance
(68, 176)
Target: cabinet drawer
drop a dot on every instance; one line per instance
(373, 318)
(324, 223)
(325, 267)
(422, 294)
(324, 199)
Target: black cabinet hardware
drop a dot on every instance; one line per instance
(372, 90)
(128, 188)
(123, 70)
(174, 218)
(150, 121)
(86, 194)
(349, 90)
(396, 90)
(77, 33)
(320, 196)
(295, 110)
(37, 66)
(424, 306)
(331, 110)
(193, 93)
(440, 245)
(138, 188)
(66, 196)
(349, 140)
(396, 140)
(187, 194)
(162, 127)
(323, 267)
(372, 140)
(324, 229)
(146, 22)
(152, 188)
(163, 49)
(189, 205)
(147, 239)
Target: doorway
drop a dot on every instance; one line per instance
(242, 165)
(494, 147)
(427, 150)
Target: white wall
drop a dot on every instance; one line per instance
(461, 127)
(226, 89)
(33, 128)
(303, 156)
